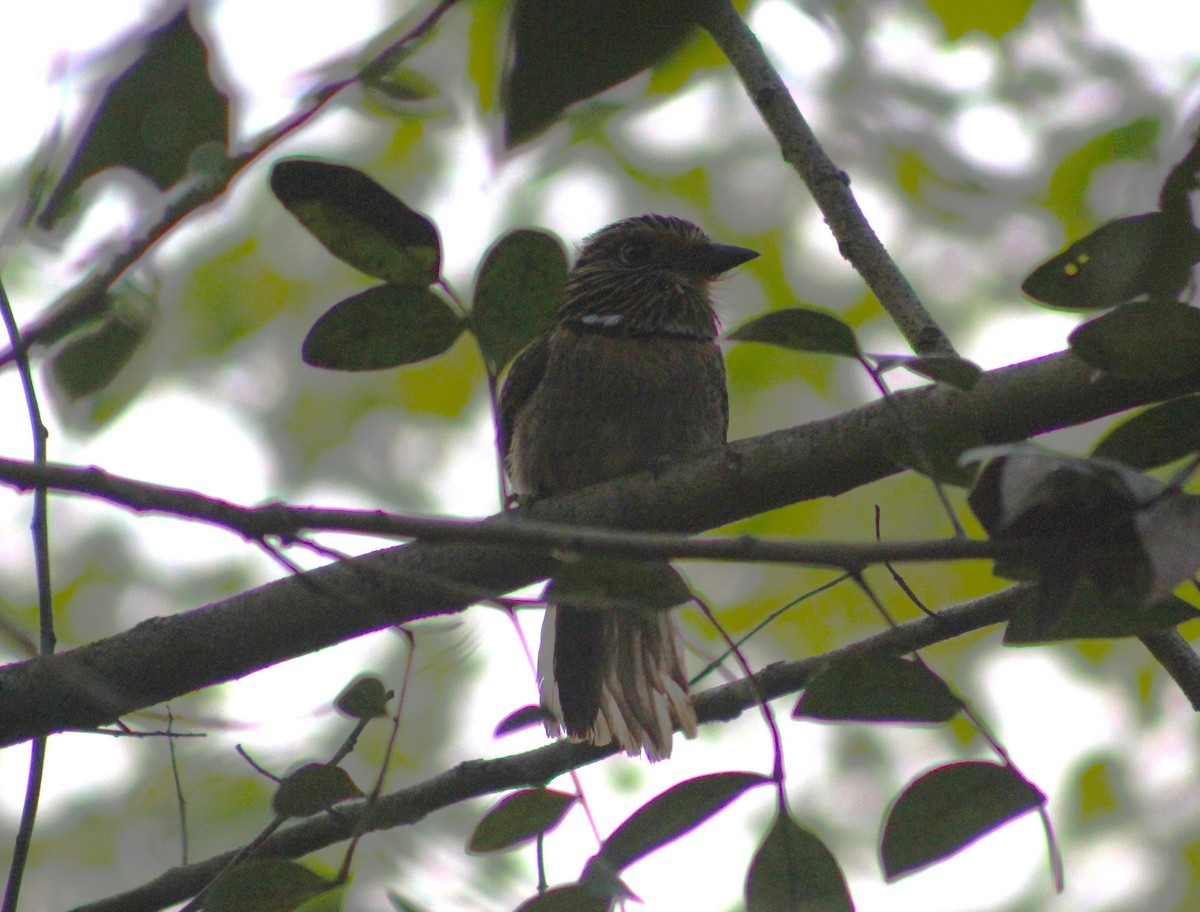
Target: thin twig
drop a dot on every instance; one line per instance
(829, 185)
(40, 528)
(180, 800)
(291, 522)
(1178, 659)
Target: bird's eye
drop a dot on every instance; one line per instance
(634, 253)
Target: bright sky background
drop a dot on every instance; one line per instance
(161, 431)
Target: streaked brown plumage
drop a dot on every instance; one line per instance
(629, 378)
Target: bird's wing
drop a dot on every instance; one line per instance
(523, 378)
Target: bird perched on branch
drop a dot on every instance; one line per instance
(628, 379)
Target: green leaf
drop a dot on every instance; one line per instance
(993, 19)
(877, 689)
(151, 117)
(948, 369)
(1139, 255)
(518, 719)
(946, 809)
(1155, 437)
(793, 871)
(89, 361)
(569, 898)
(364, 698)
(385, 326)
(1087, 613)
(359, 222)
(667, 816)
(267, 885)
(1075, 522)
(517, 293)
(801, 329)
(1142, 340)
(403, 85)
(332, 900)
(313, 788)
(520, 818)
(1029, 494)
(402, 903)
(566, 50)
(602, 583)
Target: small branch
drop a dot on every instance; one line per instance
(1176, 656)
(476, 778)
(289, 522)
(40, 527)
(828, 185)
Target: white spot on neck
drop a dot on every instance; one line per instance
(608, 321)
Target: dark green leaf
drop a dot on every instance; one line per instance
(566, 50)
(403, 903)
(793, 871)
(91, 360)
(1116, 263)
(516, 293)
(946, 809)
(571, 898)
(801, 329)
(673, 813)
(1075, 524)
(602, 583)
(521, 718)
(877, 689)
(1157, 436)
(359, 222)
(948, 369)
(1086, 613)
(311, 789)
(385, 326)
(520, 818)
(1019, 483)
(364, 698)
(268, 885)
(152, 116)
(1142, 340)
(403, 85)
(332, 900)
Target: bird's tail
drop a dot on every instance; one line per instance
(615, 675)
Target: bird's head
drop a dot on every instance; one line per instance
(648, 276)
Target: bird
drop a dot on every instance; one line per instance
(629, 377)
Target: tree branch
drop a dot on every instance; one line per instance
(163, 658)
(828, 184)
(509, 529)
(475, 778)
(1179, 660)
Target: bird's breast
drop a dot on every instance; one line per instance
(609, 405)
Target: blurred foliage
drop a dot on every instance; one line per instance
(235, 297)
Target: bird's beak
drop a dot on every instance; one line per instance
(714, 259)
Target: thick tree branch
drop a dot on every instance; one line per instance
(828, 184)
(476, 778)
(163, 658)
